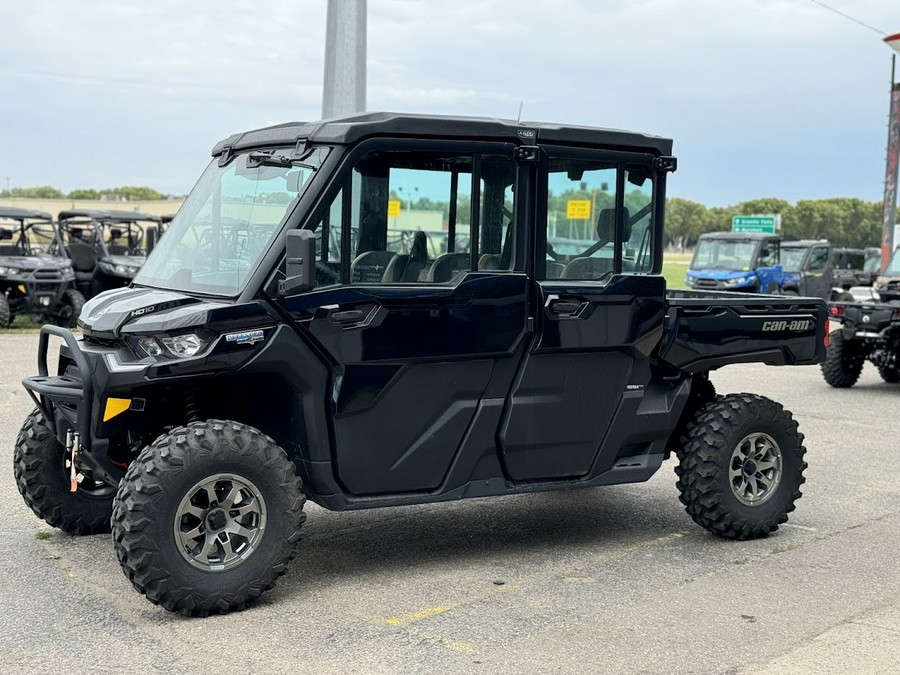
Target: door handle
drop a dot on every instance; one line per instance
(348, 316)
(565, 307)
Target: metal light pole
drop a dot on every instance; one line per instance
(888, 237)
(345, 58)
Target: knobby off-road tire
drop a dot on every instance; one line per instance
(39, 466)
(208, 517)
(741, 466)
(843, 363)
(890, 375)
(5, 313)
(72, 304)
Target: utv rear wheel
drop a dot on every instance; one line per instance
(888, 374)
(843, 363)
(39, 466)
(208, 517)
(5, 315)
(70, 309)
(741, 466)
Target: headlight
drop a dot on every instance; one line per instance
(4, 271)
(740, 281)
(179, 346)
(183, 345)
(150, 346)
(119, 269)
(125, 270)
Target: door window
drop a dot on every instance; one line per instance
(768, 254)
(410, 217)
(592, 230)
(818, 259)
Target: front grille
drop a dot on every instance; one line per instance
(46, 288)
(47, 275)
(706, 283)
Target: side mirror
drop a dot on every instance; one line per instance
(300, 263)
(151, 238)
(6, 234)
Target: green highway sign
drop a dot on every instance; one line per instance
(765, 224)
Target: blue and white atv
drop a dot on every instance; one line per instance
(737, 261)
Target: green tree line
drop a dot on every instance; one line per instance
(128, 193)
(844, 221)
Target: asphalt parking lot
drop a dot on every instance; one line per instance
(613, 579)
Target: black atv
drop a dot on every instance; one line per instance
(36, 279)
(286, 342)
(107, 248)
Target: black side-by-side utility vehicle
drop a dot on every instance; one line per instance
(36, 279)
(284, 342)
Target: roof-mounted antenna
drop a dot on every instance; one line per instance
(519, 118)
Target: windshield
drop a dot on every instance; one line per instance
(791, 259)
(872, 264)
(25, 238)
(724, 254)
(228, 222)
(122, 238)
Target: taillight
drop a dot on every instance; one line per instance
(827, 337)
(837, 310)
(895, 315)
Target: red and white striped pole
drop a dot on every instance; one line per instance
(893, 161)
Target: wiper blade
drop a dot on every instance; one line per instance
(255, 159)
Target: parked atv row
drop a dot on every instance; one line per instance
(48, 268)
(763, 263)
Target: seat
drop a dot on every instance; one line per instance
(489, 261)
(446, 266)
(370, 267)
(408, 267)
(10, 249)
(554, 269)
(84, 258)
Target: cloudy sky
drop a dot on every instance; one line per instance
(763, 97)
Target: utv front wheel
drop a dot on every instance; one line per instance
(70, 309)
(5, 314)
(207, 517)
(741, 466)
(39, 466)
(889, 374)
(843, 363)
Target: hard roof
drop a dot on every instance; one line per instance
(12, 212)
(803, 243)
(739, 235)
(352, 128)
(108, 216)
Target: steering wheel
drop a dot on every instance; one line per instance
(328, 275)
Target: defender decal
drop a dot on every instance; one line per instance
(249, 337)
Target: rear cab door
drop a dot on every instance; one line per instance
(597, 313)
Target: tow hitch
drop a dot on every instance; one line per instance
(72, 442)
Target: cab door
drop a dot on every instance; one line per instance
(768, 268)
(597, 313)
(415, 304)
(819, 274)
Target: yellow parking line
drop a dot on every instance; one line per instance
(417, 616)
